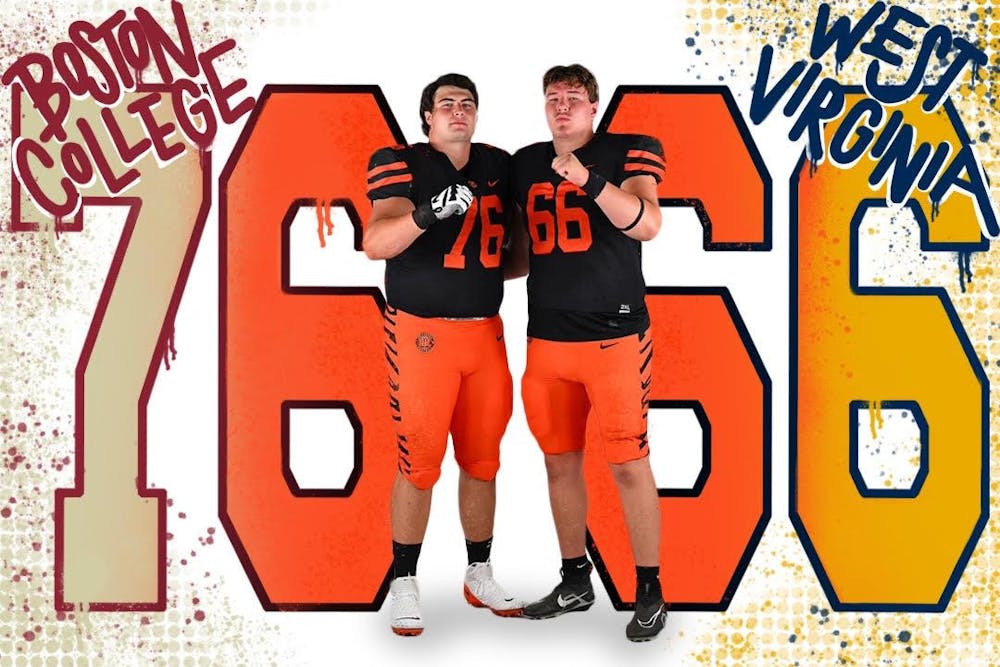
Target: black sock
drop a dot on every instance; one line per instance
(575, 570)
(479, 552)
(647, 575)
(404, 559)
(648, 579)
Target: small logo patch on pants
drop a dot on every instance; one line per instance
(425, 342)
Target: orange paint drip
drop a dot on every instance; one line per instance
(323, 219)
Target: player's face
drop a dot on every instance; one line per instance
(569, 110)
(453, 117)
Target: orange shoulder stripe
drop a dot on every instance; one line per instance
(390, 180)
(646, 155)
(635, 166)
(395, 166)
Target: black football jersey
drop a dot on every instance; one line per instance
(585, 281)
(452, 269)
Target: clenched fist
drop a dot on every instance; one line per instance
(569, 167)
(453, 200)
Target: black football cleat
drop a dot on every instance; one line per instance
(566, 597)
(650, 614)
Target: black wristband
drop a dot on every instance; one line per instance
(594, 185)
(642, 209)
(424, 217)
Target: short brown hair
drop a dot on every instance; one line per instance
(574, 75)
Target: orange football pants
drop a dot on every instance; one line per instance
(447, 376)
(564, 381)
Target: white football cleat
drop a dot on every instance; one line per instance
(404, 607)
(482, 590)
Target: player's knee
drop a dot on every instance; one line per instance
(484, 471)
(564, 467)
(630, 474)
(423, 478)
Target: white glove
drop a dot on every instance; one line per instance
(453, 200)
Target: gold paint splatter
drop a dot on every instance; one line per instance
(727, 49)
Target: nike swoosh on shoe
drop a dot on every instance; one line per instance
(565, 602)
(652, 619)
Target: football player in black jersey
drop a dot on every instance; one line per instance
(588, 201)
(440, 220)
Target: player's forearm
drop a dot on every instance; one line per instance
(387, 237)
(637, 217)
